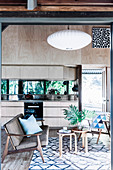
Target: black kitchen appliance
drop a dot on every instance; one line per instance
(35, 108)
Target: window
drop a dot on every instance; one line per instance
(55, 87)
(92, 89)
(3, 86)
(13, 86)
(33, 87)
(71, 85)
(18, 88)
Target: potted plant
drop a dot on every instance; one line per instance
(74, 116)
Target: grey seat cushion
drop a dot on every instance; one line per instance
(28, 142)
(13, 126)
(45, 135)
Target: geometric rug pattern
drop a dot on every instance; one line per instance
(97, 158)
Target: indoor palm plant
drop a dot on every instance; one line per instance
(73, 115)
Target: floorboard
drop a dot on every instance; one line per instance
(18, 161)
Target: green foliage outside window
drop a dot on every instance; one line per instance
(4, 87)
(36, 87)
(55, 87)
(13, 86)
(33, 87)
(71, 84)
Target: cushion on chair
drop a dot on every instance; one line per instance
(30, 125)
(98, 121)
(14, 127)
(32, 141)
(28, 142)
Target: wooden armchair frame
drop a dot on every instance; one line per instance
(38, 147)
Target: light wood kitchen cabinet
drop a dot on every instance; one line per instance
(10, 109)
(52, 111)
(42, 72)
(54, 115)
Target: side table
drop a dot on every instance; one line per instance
(84, 137)
(61, 135)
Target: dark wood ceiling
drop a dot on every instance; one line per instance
(75, 2)
(58, 5)
(13, 2)
(58, 2)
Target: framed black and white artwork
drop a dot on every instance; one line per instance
(100, 37)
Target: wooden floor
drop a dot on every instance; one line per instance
(21, 161)
(18, 161)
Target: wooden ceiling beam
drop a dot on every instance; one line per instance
(57, 2)
(75, 2)
(56, 5)
(13, 2)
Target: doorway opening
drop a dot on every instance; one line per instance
(92, 89)
(47, 61)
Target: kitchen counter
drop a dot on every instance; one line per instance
(40, 98)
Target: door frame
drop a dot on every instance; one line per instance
(63, 21)
(104, 89)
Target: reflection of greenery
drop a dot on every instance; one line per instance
(3, 87)
(33, 87)
(58, 86)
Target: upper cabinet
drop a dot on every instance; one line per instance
(38, 72)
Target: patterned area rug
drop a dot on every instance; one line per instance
(97, 158)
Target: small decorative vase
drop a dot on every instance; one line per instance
(80, 125)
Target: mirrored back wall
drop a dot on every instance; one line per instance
(16, 89)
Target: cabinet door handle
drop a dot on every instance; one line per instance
(33, 106)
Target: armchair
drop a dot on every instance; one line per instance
(20, 141)
(100, 122)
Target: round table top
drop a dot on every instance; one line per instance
(80, 130)
(63, 133)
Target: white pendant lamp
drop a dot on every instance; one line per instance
(69, 39)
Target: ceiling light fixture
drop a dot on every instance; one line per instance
(69, 39)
